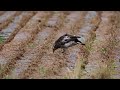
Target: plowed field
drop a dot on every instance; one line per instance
(27, 38)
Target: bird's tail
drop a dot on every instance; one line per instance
(80, 40)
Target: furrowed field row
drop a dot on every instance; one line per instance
(13, 50)
(34, 50)
(99, 58)
(7, 18)
(12, 29)
(52, 63)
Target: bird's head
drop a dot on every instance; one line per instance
(55, 47)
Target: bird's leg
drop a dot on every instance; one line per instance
(64, 49)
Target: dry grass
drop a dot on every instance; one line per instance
(90, 37)
(100, 64)
(15, 48)
(28, 54)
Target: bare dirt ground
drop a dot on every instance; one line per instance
(27, 37)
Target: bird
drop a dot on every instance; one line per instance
(66, 41)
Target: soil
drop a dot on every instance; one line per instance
(28, 38)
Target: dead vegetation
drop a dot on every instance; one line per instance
(27, 37)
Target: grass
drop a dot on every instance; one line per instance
(88, 47)
(102, 73)
(110, 62)
(1, 69)
(105, 71)
(1, 39)
(42, 71)
(80, 66)
(7, 77)
(82, 61)
(90, 42)
(104, 50)
(31, 45)
(66, 77)
(111, 67)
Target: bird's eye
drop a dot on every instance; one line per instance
(65, 40)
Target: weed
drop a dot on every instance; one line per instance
(66, 77)
(8, 77)
(1, 39)
(90, 42)
(42, 71)
(104, 50)
(88, 47)
(104, 71)
(31, 45)
(111, 67)
(101, 73)
(79, 68)
(1, 69)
